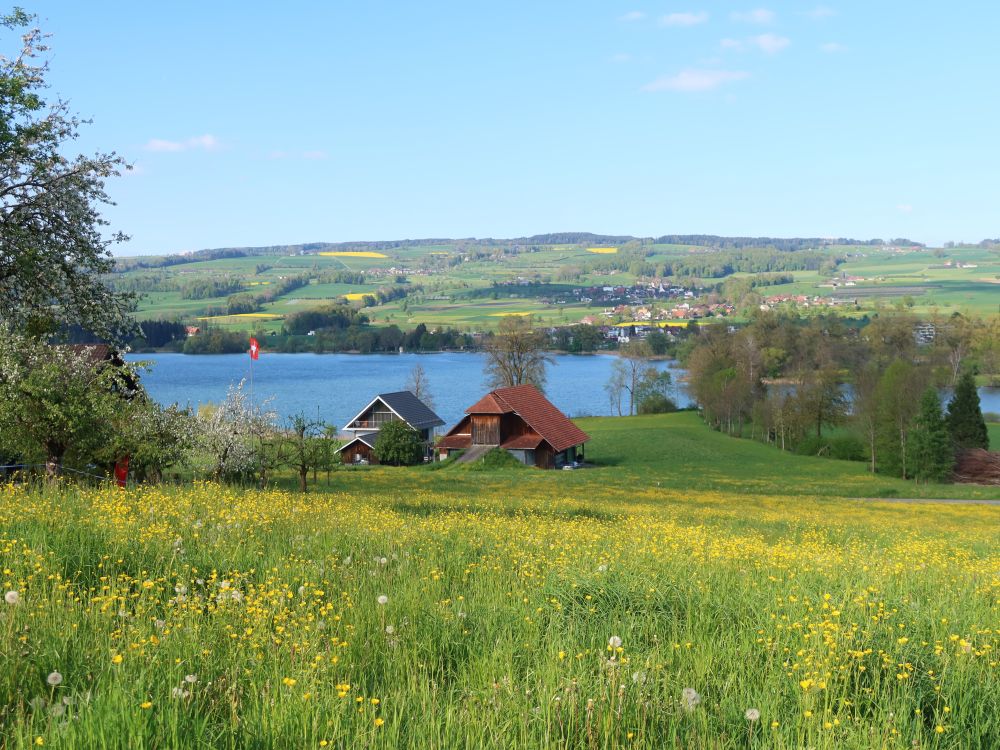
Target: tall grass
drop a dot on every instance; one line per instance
(513, 616)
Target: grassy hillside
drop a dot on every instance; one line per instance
(441, 276)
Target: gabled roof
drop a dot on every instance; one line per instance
(538, 412)
(368, 438)
(407, 407)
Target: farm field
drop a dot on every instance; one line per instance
(664, 598)
(916, 280)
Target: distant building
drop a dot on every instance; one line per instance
(400, 406)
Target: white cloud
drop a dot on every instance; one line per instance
(770, 44)
(696, 79)
(833, 47)
(314, 155)
(904, 208)
(759, 16)
(684, 19)
(204, 142)
(731, 44)
(632, 16)
(621, 57)
(820, 12)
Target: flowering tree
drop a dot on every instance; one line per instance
(232, 436)
(52, 251)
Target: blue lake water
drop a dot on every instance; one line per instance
(335, 387)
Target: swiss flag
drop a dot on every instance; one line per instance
(254, 349)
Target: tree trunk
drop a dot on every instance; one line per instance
(303, 476)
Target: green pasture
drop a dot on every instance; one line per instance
(689, 591)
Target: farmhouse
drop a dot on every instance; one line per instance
(521, 421)
(387, 407)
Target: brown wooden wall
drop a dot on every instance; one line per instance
(544, 457)
(358, 449)
(486, 429)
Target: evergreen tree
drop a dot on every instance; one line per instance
(965, 417)
(933, 455)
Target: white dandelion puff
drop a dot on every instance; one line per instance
(752, 714)
(191, 679)
(690, 699)
(389, 629)
(54, 679)
(615, 641)
(382, 599)
(12, 597)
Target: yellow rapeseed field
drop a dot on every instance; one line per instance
(603, 250)
(407, 610)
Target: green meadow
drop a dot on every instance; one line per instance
(690, 590)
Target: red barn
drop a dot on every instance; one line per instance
(521, 421)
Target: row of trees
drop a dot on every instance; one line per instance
(789, 383)
(66, 407)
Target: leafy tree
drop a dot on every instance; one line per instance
(515, 355)
(898, 398)
(965, 416)
(398, 444)
(60, 402)
(654, 392)
(52, 251)
(152, 436)
(933, 455)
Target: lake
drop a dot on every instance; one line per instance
(337, 386)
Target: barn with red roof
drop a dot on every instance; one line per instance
(521, 421)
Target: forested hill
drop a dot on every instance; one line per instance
(708, 241)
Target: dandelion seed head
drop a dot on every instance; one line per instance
(689, 699)
(12, 597)
(54, 679)
(615, 641)
(752, 714)
(382, 599)
(191, 679)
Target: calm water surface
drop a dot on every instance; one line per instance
(337, 386)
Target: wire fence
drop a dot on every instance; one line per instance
(15, 469)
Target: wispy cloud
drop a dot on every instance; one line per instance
(632, 16)
(731, 44)
(904, 208)
(687, 18)
(199, 142)
(820, 12)
(695, 80)
(621, 57)
(760, 16)
(770, 44)
(316, 155)
(832, 48)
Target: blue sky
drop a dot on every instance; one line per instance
(256, 124)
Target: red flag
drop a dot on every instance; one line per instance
(254, 349)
